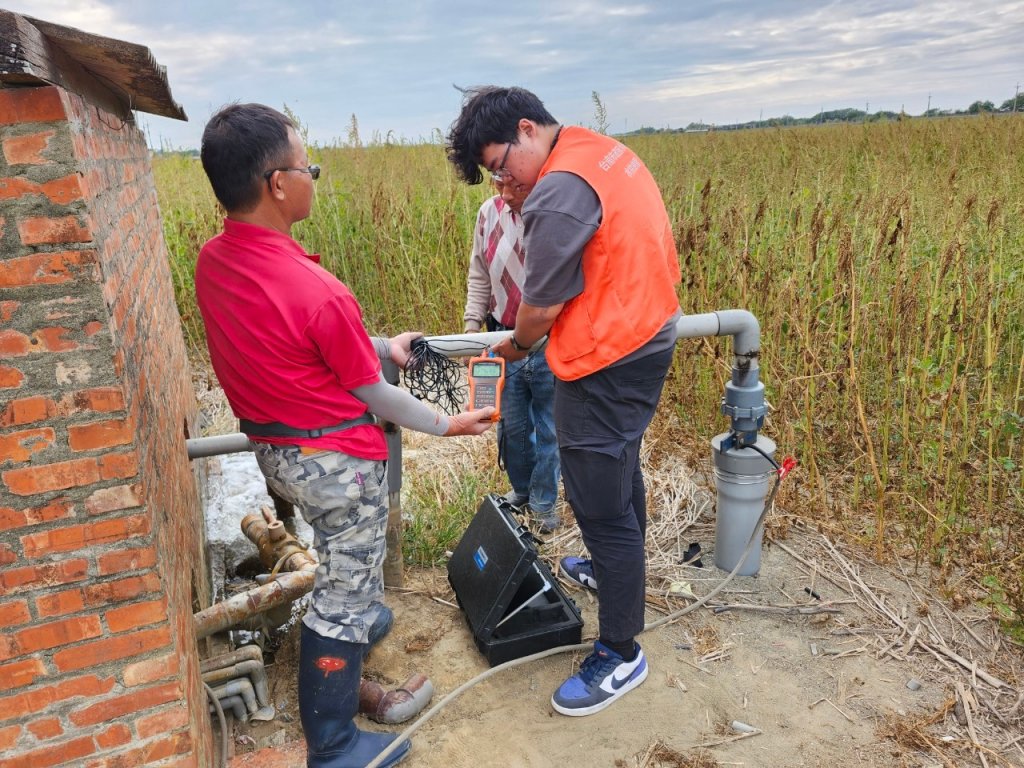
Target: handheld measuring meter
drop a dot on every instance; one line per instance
(486, 380)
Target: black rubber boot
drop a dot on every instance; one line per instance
(328, 701)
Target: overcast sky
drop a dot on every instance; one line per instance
(661, 63)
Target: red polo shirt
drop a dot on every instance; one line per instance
(286, 338)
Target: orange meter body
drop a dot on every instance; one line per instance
(486, 380)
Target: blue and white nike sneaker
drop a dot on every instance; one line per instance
(604, 676)
(580, 571)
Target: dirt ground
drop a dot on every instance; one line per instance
(876, 671)
(819, 688)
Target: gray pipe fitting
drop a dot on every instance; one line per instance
(234, 705)
(241, 688)
(742, 478)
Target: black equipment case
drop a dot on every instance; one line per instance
(513, 604)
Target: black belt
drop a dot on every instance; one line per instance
(277, 429)
(493, 325)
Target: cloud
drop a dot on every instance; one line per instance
(392, 63)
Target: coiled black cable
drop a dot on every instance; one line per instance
(434, 378)
(437, 379)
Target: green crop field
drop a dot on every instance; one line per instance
(884, 262)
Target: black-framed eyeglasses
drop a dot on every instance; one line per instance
(312, 170)
(501, 174)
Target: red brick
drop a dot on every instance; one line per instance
(10, 378)
(87, 535)
(34, 701)
(118, 706)
(111, 649)
(188, 761)
(14, 613)
(18, 674)
(13, 187)
(7, 554)
(93, 327)
(125, 560)
(18, 447)
(30, 105)
(45, 268)
(150, 670)
(63, 190)
(58, 509)
(53, 339)
(46, 575)
(9, 736)
(96, 594)
(160, 749)
(46, 728)
(121, 590)
(56, 634)
(100, 434)
(27, 149)
(52, 230)
(118, 466)
(57, 754)
(60, 603)
(41, 478)
(14, 343)
(163, 722)
(111, 499)
(115, 736)
(7, 310)
(99, 399)
(136, 615)
(26, 410)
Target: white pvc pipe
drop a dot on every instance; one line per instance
(738, 323)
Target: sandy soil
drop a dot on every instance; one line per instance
(816, 693)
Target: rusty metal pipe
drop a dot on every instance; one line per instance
(286, 588)
(397, 706)
(245, 653)
(276, 546)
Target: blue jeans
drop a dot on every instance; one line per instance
(527, 432)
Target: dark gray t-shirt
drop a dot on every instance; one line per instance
(561, 214)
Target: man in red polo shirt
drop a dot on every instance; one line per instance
(288, 345)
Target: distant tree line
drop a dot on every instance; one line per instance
(848, 115)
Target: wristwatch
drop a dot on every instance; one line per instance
(516, 345)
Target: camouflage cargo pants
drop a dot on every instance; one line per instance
(344, 499)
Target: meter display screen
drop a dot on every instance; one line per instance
(487, 370)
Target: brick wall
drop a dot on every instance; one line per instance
(101, 531)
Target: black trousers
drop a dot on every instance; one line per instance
(600, 420)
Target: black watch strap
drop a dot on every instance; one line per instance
(515, 344)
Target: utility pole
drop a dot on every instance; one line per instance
(928, 111)
(1016, 91)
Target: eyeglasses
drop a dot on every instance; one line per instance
(312, 170)
(503, 175)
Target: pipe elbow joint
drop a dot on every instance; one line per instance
(398, 705)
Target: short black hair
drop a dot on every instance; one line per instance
(490, 115)
(241, 142)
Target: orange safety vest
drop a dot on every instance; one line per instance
(630, 266)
